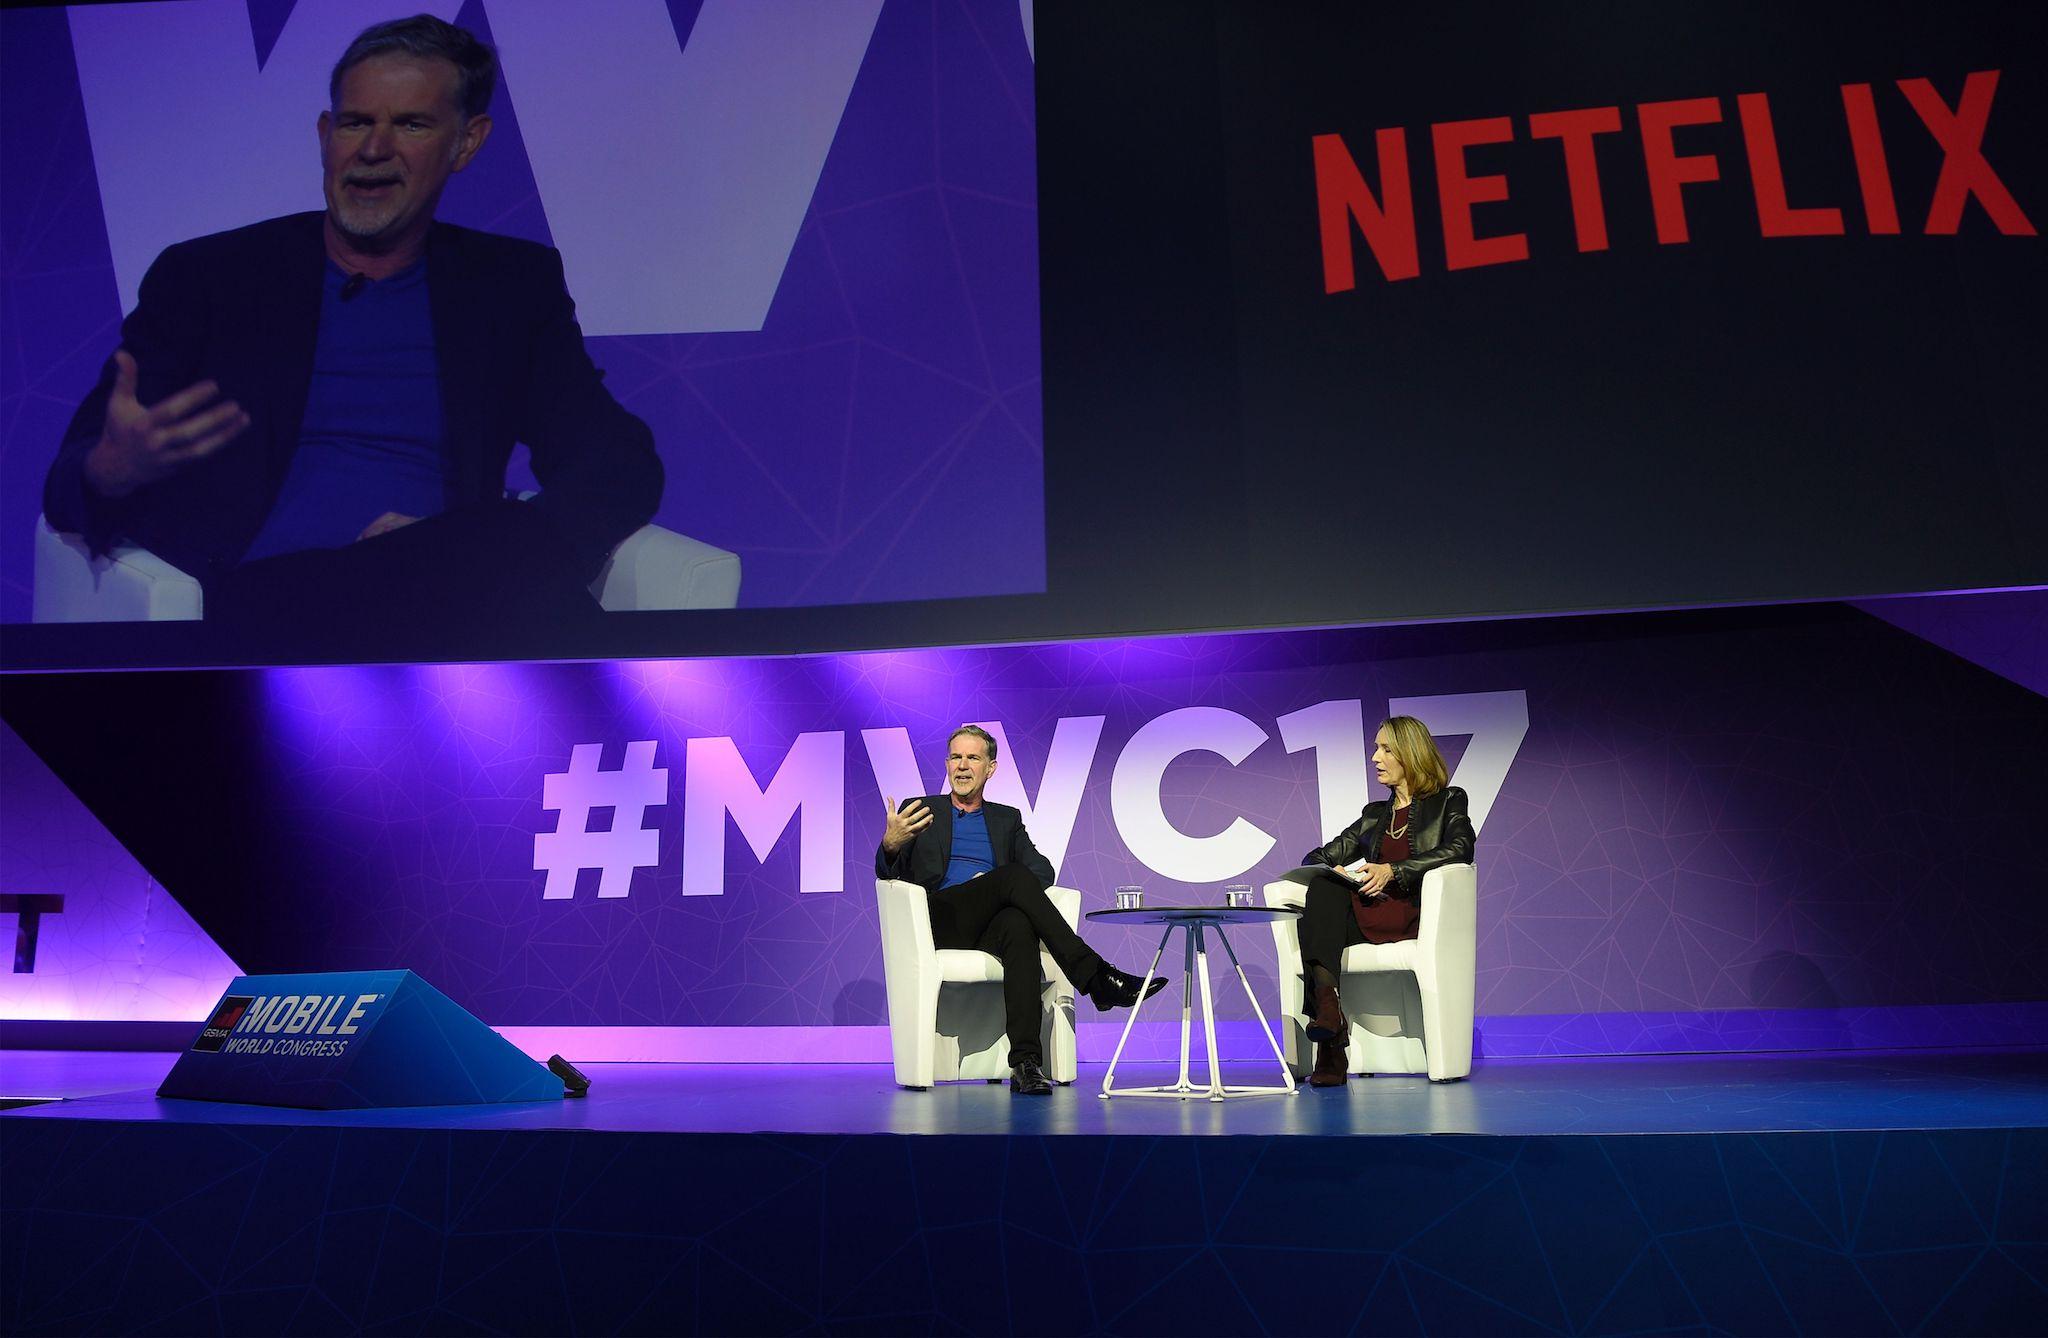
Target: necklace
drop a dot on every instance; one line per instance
(1396, 833)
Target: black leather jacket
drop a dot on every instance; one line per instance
(1439, 832)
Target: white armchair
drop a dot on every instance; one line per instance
(128, 585)
(659, 569)
(1410, 1004)
(653, 569)
(946, 1004)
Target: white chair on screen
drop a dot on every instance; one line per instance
(653, 569)
(1410, 1004)
(946, 1004)
(127, 585)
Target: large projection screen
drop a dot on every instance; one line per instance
(1014, 322)
(1406, 311)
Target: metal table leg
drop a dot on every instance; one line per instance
(1265, 1030)
(1196, 957)
(1150, 972)
(1187, 986)
(1208, 1015)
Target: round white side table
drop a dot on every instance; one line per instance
(1197, 923)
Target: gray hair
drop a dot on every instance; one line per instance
(978, 732)
(426, 37)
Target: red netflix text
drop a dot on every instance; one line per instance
(1347, 208)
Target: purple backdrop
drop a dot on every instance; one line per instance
(122, 948)
(895, 369)
(1808, 812)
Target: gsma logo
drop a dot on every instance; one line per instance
(215, 1033)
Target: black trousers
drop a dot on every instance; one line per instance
(483, 579)
(1006, 913)
(1327, 928)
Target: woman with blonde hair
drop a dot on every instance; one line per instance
(1373, 892)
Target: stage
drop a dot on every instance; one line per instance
(1818, 1192)
(1527, 1098)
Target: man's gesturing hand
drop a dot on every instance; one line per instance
(138, 446)
(903, 827)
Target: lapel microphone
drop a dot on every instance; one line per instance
(354, 284)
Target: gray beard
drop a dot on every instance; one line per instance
(351, 228)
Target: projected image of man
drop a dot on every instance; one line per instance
(313, 414)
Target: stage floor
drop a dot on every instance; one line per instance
(1779, 1092)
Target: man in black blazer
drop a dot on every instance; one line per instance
(317, 410)
(985, 884)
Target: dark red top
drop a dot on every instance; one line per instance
(1391, 918)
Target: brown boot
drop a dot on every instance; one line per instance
(1328, 1024)
(1330, 1066)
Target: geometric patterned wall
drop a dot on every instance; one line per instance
(2005, 631)
(121, 949)
(1797, 809)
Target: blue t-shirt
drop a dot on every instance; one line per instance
(972, 854)
(371, 439)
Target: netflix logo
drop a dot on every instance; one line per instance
(1347, 208)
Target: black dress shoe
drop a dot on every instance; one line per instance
(1112, 988)
(1027, 1079)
